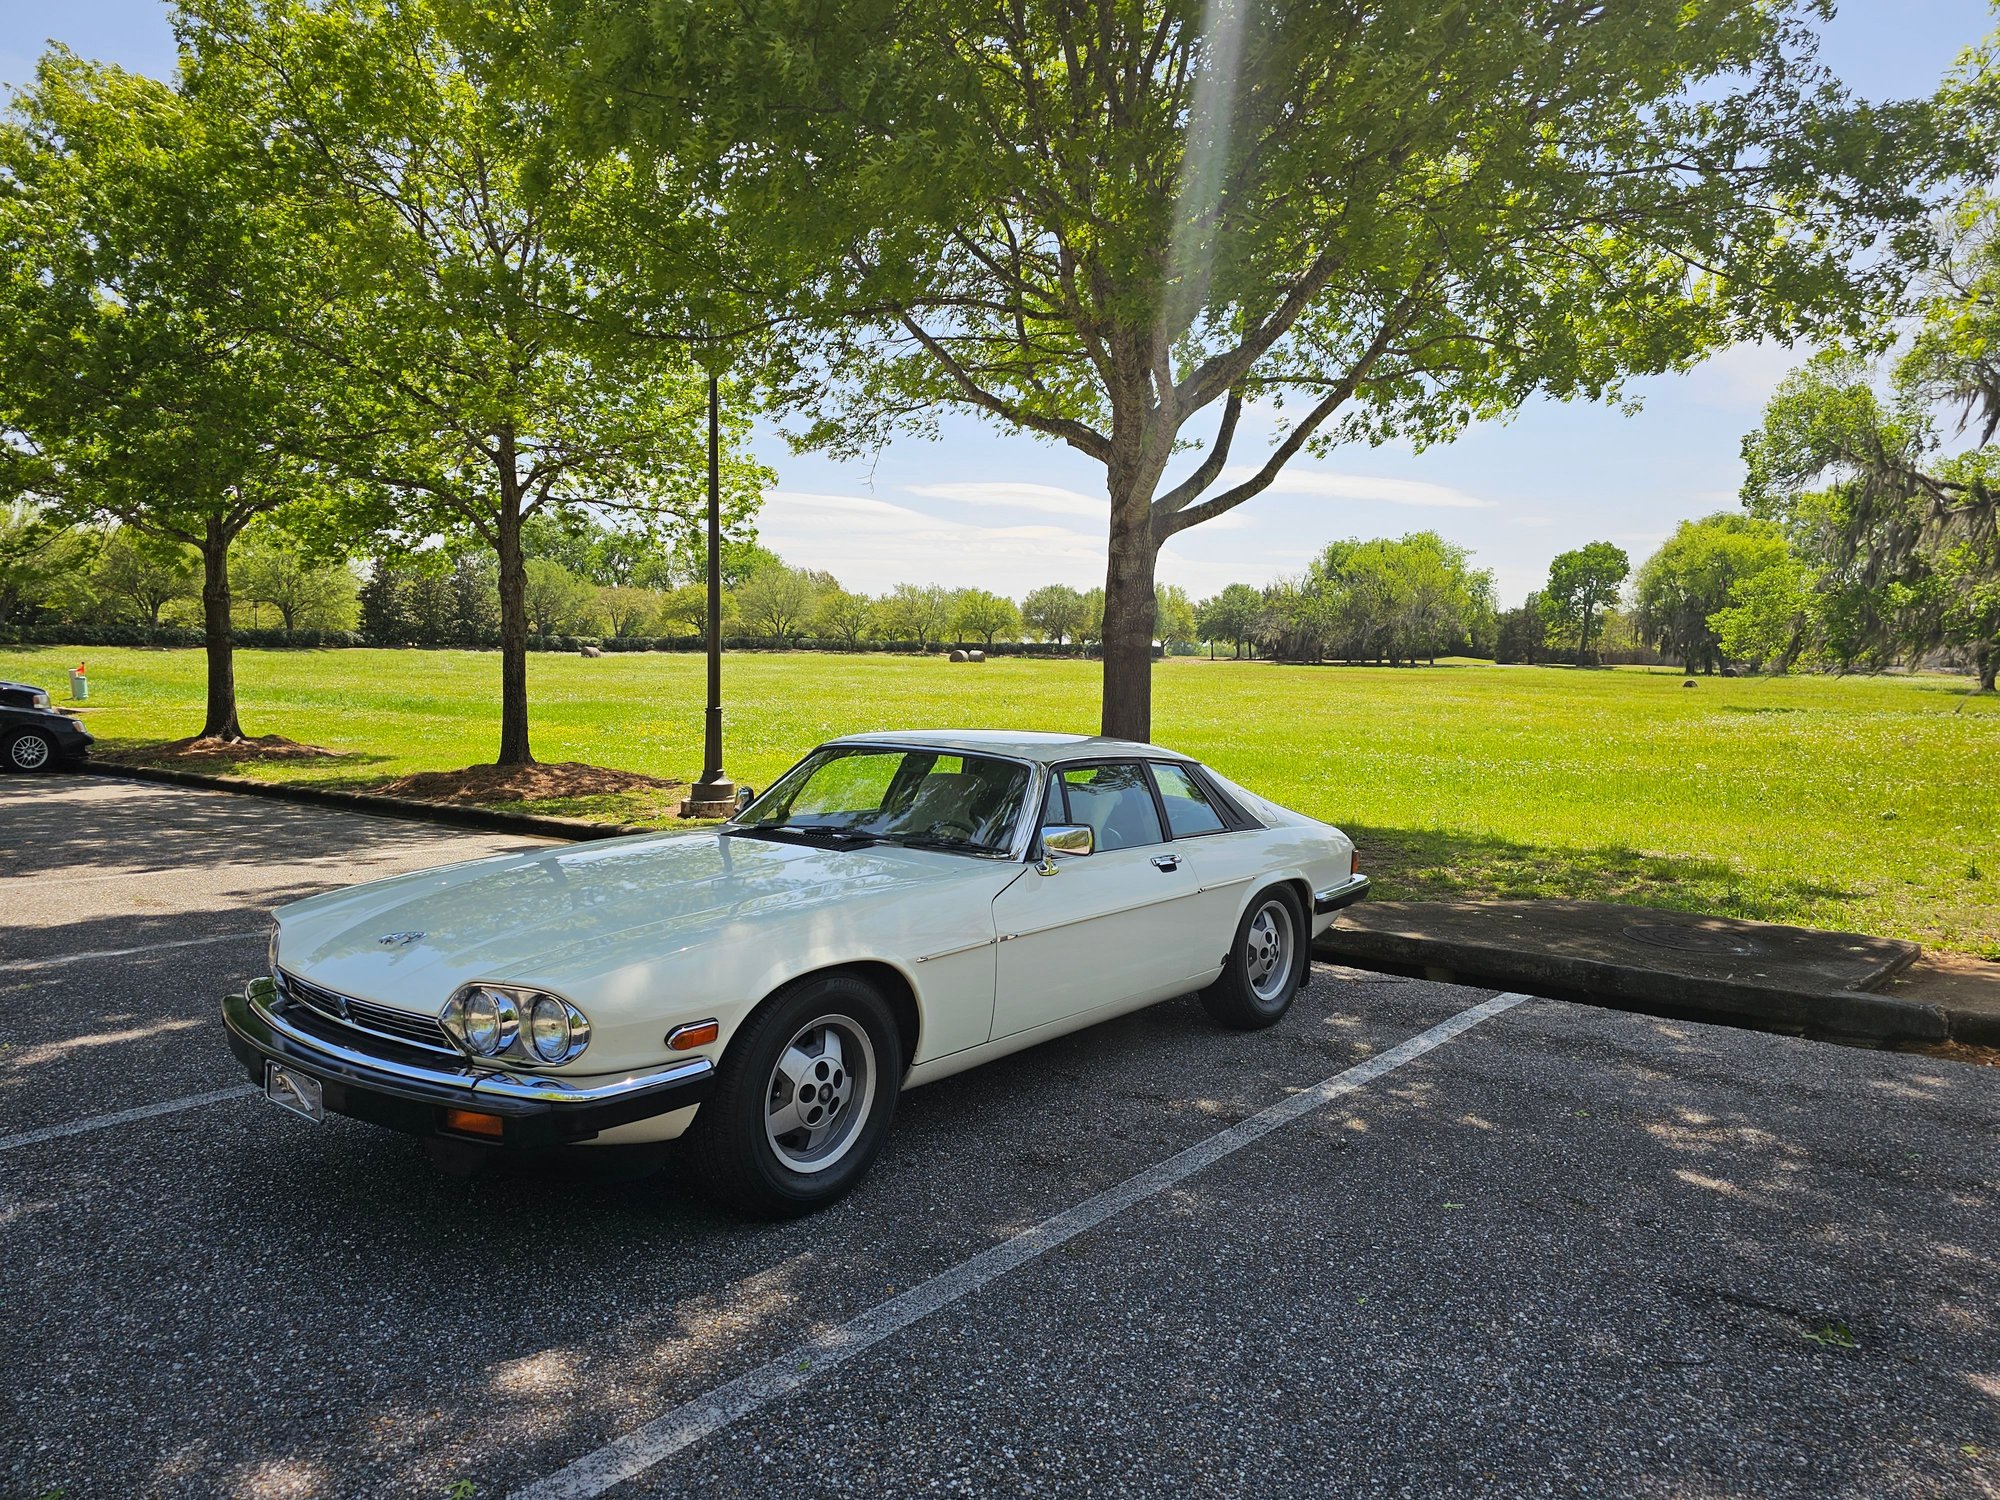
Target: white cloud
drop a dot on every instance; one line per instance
(1363, 487)
(1048, 498)
(872, 545)
(1743, 375)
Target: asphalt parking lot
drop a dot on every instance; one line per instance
(1526, 1249)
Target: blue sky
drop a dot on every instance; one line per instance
(986, 507)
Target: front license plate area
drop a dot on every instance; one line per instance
(294, 1091)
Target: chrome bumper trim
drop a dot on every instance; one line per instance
(1345, 894)
(539, 1089)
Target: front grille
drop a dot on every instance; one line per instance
(365, 1015)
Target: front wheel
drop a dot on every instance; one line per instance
(30, 751)
(803, 1101)
(1266, 967)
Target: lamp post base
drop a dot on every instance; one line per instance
(714, 797)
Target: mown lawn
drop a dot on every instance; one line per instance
(1869, 804)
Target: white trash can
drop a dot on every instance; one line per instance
(79, 685)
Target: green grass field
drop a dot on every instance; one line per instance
(1868, 804)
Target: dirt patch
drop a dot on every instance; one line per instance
(1965, 1052)
(201, 749)
(532, 783)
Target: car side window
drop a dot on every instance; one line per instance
(1189, 811)
(1055, 812)
(1116, 802)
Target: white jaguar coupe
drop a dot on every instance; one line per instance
(896, 908)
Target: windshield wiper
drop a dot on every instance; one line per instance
(852, 837)
(931, 841)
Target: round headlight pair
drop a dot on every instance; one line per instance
(493, 1021)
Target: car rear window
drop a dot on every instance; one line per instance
(1189, 812)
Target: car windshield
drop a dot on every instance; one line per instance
(931, 799)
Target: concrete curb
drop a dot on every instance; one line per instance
(450, 814)
(1851, 1014)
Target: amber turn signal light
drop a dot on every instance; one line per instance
(1354, 862)
(694, 1034)
(471, 1122)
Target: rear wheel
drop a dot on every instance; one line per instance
(1266, 966)
(803, 1102)
(30, 750)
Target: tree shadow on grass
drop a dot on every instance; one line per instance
(1427, 864)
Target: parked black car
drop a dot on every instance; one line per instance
(33, 735)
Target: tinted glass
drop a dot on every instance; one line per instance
(1188, 810)
(1117, 804)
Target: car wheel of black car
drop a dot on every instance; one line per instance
(30, 750)
(1267, 963)
(803, 1101)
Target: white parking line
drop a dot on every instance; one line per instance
(639, 1450)
(123, 1117)
(23, 965)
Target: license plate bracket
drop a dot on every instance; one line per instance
(295, 1091)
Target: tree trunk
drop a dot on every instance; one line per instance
(217, 638)
(1128, 613)
(513, 581)
(1986, 658)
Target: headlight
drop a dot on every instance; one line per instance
(548, 1028)
(272, 958)
(502, 1021)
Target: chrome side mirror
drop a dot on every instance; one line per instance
(1068, 839)
(745, 795)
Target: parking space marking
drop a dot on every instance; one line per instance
(23, 965)
(123, 1117)
(644, 1447)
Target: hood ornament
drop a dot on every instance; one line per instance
(398, 939)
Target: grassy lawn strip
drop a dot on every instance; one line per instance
(1870, 804)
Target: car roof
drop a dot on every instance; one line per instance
(1021, 744)
(23, 686)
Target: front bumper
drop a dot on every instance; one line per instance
(1345, 894)
(409, 1089)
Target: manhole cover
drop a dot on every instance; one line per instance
(1692, 939)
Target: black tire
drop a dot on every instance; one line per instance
(731, 1148)
(31, 750)
(1255, 991)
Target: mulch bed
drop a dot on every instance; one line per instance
(530, 783)
(199, 749)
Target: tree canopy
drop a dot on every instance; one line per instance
(486, 375)
(141, 269)
(1103, 225)
(1583, 583)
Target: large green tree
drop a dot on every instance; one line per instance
(1583, 584)
(1054, 612)
(141, 261)
(1230, 615)
(1124, 226)
(488, 376)
(1695, 576)
(1901, 537)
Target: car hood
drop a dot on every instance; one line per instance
(561, 917)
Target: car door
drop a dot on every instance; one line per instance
(1222, 851)
(1107, 928)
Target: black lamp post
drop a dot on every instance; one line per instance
(715, 793)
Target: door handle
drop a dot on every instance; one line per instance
(1166, 862)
